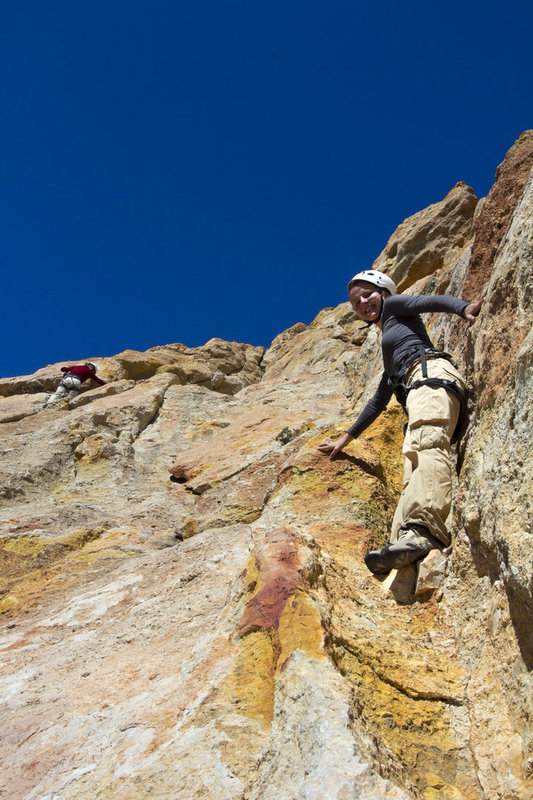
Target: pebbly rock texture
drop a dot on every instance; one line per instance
(217, 634)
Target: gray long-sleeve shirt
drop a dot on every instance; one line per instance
(402, 331)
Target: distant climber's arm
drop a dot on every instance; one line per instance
(98, 380)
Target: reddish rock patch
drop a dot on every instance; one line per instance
(279, 566)
(493, 221)
(266, 607)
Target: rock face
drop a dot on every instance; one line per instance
(217, 635)
(431, 239)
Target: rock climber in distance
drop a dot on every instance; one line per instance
(73, 379)
(432, 392)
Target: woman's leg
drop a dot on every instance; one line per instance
(433, 414)
(59, 394)
(419, 522)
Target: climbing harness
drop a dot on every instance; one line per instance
(71, 383)
(421, 355)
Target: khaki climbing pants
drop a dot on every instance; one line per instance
(427, 482)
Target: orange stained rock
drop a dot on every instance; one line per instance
(378, 451)
(491, 225)
(316, 478)
(264, 610)
(342, 492)
(279, 618)
(405, 690)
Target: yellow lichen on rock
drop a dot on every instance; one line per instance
(418, 733)
(386, 436)
(30, 563)
(300, 628)
(250, 688)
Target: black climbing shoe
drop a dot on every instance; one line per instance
(410, 547)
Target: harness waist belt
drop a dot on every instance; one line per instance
(422, 354)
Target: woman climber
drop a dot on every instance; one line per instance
(432, 392)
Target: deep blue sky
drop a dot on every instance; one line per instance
(173, 171)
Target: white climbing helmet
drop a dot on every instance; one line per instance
(91, 366)
(376, 278)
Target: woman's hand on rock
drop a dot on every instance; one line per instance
(333, 448)
(472, 309)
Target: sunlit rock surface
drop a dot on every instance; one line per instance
(185, 609)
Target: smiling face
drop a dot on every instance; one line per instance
(366, 301)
